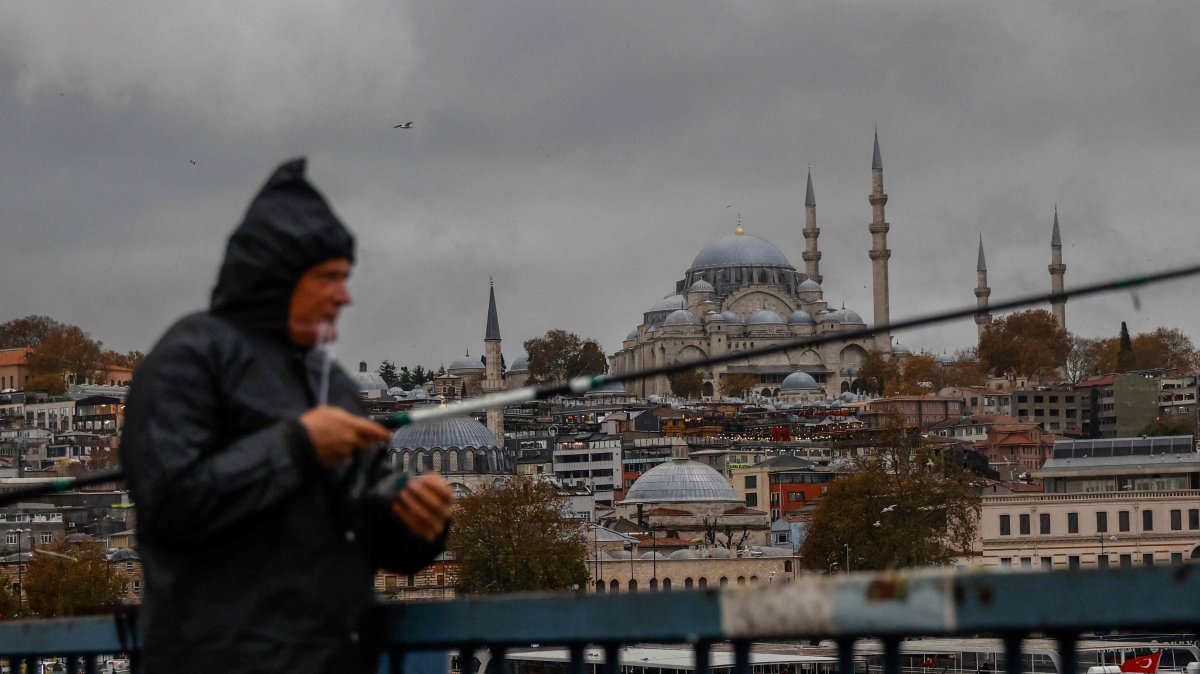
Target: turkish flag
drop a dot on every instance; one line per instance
(1145, 663)
(931, 661)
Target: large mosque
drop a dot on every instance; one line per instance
(741, 292)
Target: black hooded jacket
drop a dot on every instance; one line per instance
(256, 557)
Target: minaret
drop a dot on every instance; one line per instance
(983, 317)
(879, 250)
(493, 380)
(812, 255)
(1058, 305)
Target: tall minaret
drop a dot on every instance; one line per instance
(1058, 306)
(983, 317)
(879, 250)
(493, 376)
(812, 254)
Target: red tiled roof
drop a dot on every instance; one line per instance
(15, 356)
(743, 510)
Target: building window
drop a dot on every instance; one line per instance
(1176, 520)
(46, 537)
(1126, 561)
(1073, 562)
(1147, 520)
(751, 481)
(1005, 525)
(1101, 523)
(11, 538)
(1047, 562)
(1102, 561)
(1023, 522)
(1148, 559)
(1177, 558)
(751, 500)
(1072, 523)
(1123, 520)
(137, 587)
(1005, 561)
(1194, 518)
(1044, 523)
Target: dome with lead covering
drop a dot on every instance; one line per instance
(670, 303)
(632, 335)
(731, 317)
(764, 317)
(741, 250)
(800, 317)
(809, 286)
(453, 431)
(681, 317)
(681, 481)
(799, 381)
(851, 316)
(522, 364)
(702, 286)
(900, 349)
(366, 380)
(466, 363)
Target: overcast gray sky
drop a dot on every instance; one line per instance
(583, 152)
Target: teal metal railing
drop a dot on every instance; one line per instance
(846, 608)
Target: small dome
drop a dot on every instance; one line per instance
(466, 363)
(830, 316)
(731, 317)
(722, 553)
(714, 316)
(702, 286)
(653, 554)
(670, 303)
(681, 317)
(619, 554)
(800, 317)
(945, 359)
(682, 554)
(456, 431)
(799, 381)
(764, 317)
(809, 286)
(681, 481)
(419, 393)
(520, 365)
(851, 316)
(900, 349)
(368, 381)
(632, 335)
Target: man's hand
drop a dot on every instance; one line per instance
(424, 505)
(336, 433)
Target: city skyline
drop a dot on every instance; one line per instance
(582, 156)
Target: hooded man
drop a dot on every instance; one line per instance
(258, 539)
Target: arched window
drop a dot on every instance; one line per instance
(406, 462)
(436, 460)
(453, 460)
(753, 580)
(724, 581)
(703, 583)
(666, 583)
(741, 581)
(469, 457)
(614, 585)
(708, 389)
(687, 583)
(633, 585)
(653, 583)
(600, 587)
(787, 566)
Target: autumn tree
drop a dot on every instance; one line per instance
(9, 605)
(686, 384)
(74, 579)
(906, 504)
(29, 331)
(559, 356)
(516, 537)
(50, 384)
(878, 372)
(130, 359)
(1164, 348)
(966, 370)
(67, 351)
(918, 374)
(1029, 344)
(736, 384)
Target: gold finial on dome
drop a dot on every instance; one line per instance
(739, 231)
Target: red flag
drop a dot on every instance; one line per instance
(1146, 663)
(930, 661)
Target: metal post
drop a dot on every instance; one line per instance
(847, 545)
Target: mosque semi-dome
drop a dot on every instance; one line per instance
(681, 317)
(681, 481)
(670, 303)
(764, 317)
(741, 250)
(809, 286)
(632, 334)
(799, 381)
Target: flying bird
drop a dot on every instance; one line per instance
(193, 161)
(889, 508)
(406, 125)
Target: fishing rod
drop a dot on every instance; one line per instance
(585, 384)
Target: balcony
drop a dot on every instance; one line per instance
(849, 609)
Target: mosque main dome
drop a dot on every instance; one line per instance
(681, 481)
(740, 250)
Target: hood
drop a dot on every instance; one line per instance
(288, 229)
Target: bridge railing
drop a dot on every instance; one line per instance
(889, 607)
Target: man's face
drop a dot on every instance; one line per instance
(319, 296)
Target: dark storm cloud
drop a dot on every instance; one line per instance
(582, 153)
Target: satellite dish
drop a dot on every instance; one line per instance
(552, 430)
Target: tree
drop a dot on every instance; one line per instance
(516, 537)
(29, 331)
(919, 373)
(560, 356)
(878, 371)
(1182, 424)
(1124, 350)
(130, 360)
(9, 605)
(73, 579)
(966, 370)
(420, 376)
(50, 384)
(906, 504)
(67, 352)
(687, 384)
(1029, 344)
(1165, 348)
(387, 372)
(735, 385)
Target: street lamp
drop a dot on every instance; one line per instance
(832, 567)
(847, 546)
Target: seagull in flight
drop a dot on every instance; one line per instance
(406, 125)
(193, 161)
(889, 508)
